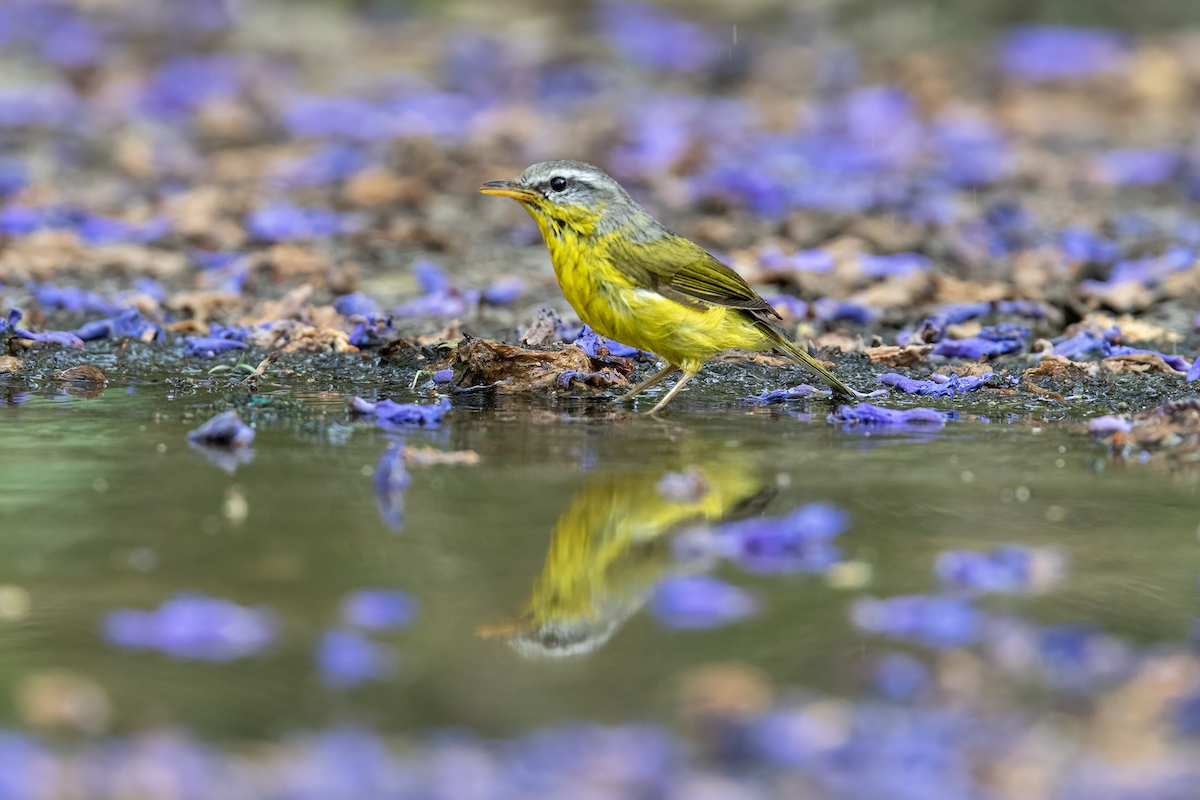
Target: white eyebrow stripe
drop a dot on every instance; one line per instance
(576, 174)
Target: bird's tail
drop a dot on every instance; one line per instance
(788, 348)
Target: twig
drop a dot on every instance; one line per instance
(253, 378)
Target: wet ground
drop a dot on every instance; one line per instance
(107, 506)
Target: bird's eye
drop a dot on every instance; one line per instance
(558, 183)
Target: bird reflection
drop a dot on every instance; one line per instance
(613, 545)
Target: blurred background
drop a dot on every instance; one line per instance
(304, 175)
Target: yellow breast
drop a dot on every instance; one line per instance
(616, 307)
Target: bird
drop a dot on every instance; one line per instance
(614, 544)
(634, 281)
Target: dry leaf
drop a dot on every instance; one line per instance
(893, 356)
(1139, 362)
(508, 368)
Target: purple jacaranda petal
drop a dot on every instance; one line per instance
(1146, 167)
(936, 620)
(564, 379)
(478, 65)
(348, 117)
(209, 346)
(976, 347)
(223, 430)
(933, 388)
(868, 414)
(791, 306)
(151, 288)
(771, 258)
(200, 19)
(329, 164)
(650, 37)
(443, 376)
(1083, 246)
(20, 220)
(504, 291)
(227, 459)
(590, 342)
(441, 298)
(372, 332)
(1078, 345)
(209, 260)
(700, 601)
(95, 229)
(379, 609)
(899, 676)
(129, 323)
(238, 333)
(1173, 361)
(971, 151)
(1005, 331)
(828, 309)
(1009, 568)
(390, 414)
(355, 304)
(389, 481)
(194, 626)
(798, 542)
(187, 82)
(70, 298)
(562, 87)
(1147, 270)
(14, 176)
(957, 313)
(446, 115)
(1109, 424)
(431, 278)
(1047, 52)
(346, 658)
(1079, 657)
(1193, 372)
(1030, 309)
(281, 222)
(48, 105)
(772, 396)
(230, 279)
(899, 265)
(63, 338)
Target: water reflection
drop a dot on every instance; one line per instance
(612, 546)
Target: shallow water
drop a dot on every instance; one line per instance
(105, 505)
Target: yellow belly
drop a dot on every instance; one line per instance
(608, 301)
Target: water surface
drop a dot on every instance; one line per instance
(105, 505)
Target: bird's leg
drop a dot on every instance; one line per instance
(646, 384)
(687, 376)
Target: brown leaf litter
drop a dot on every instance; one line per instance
(1174, 424)
(84, 381)
(893, 356)
(1139, 362)
(544, 330)
(291, 335)
(508, 368)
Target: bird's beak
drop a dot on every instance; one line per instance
(502, 630)
(510, 189)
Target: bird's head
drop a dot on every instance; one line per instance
(570, 196)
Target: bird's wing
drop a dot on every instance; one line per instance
(686, 273)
